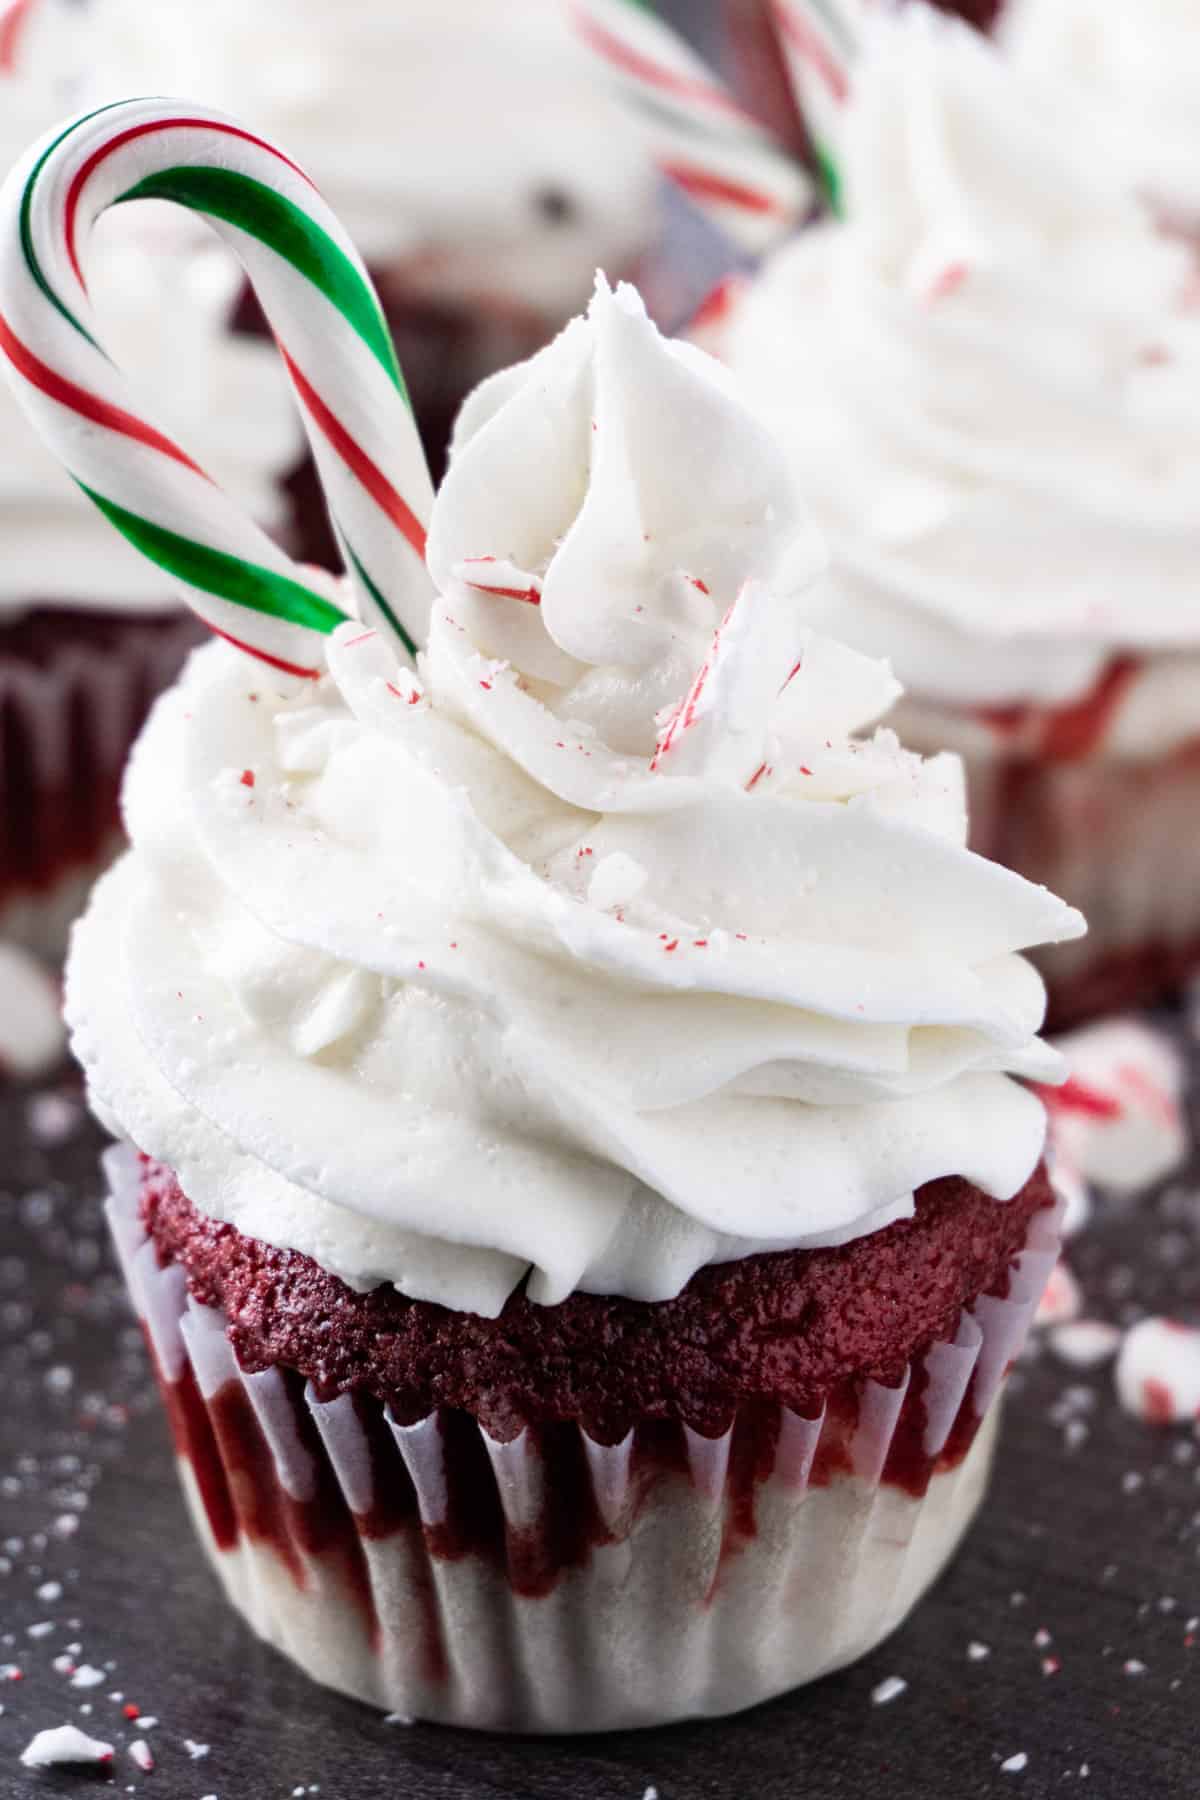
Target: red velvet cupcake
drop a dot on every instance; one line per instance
(588, 1204)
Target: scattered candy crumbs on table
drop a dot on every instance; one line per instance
(888, 1690)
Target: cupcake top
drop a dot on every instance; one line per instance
(471, 149)
(600, 947)
(987, 381)
(1140, 67)
(166, 317)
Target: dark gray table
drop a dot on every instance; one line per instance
(1091, 1535)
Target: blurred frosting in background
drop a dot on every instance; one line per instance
(1137, 65)
(988, 375)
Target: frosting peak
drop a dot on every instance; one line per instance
(599, 947)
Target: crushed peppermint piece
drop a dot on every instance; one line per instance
(86, 1676)
(978, 1652)
(1158, 1372)
(42, 1629)
(64, 1744)
(398, 1719)
(1133, 1667)
(888, 1690)
(50, 1590)
(1015, 1764)
(195, 1751)
(141, 1754)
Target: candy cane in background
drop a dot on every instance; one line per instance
(728, 164)
(331, 333)
(821, 42)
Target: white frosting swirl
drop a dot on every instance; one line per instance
(560, 955)
(988, 385)
(470, 146)
(163, 305)
(1136, 66)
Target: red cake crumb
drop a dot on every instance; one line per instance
(790, 1327)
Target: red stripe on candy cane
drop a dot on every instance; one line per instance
(88, 406)
(646, 69)
(703, 185)
(13, 19)
(809, 45)
(84, 174)
(264, 656)
(369, 474)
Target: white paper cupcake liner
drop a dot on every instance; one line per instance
(66, 730)
(555, 1584)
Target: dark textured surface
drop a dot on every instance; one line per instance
(1091, 1535)
(789, 1328)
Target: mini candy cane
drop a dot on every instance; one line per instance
(731, 168)
(821, 44)
(331, 334)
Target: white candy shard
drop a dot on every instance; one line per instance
(64, 1744)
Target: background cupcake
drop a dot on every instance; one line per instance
(479, 160)
(551, 984)
(986, 381)
(89, 632)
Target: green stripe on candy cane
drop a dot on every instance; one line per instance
(228, 577)
(316, 294)
(820, 41)
(275, 220)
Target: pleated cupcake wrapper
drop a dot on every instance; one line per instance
(688, 1604)
(66, 730)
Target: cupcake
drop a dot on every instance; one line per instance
(572, 1172)
(89, 633)
(1138, 67)
(983, 379)
(475, 154)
